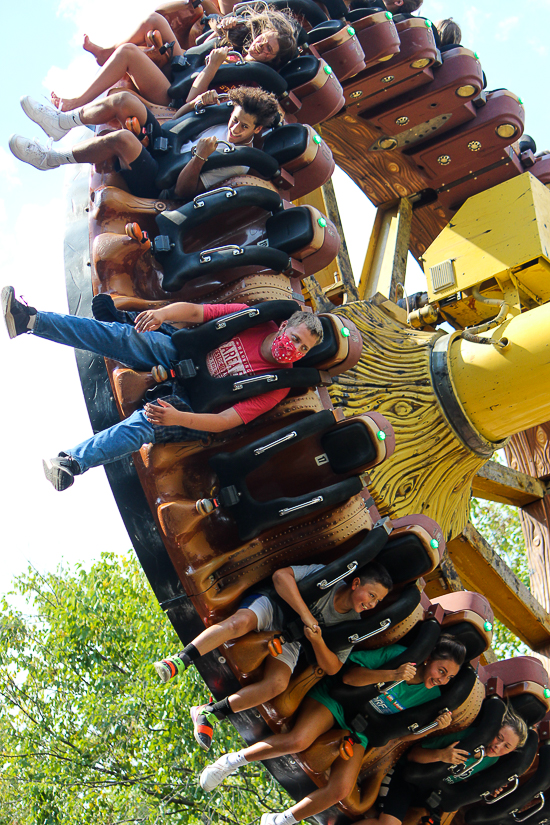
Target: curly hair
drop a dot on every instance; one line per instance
(262, 106)
(268, 20)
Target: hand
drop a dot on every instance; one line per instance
(444, 720)
(164, 415)
(406, 672)
(148, 321)
(453, 755)
(208, 98)
(217, 57)
(205, 147)
(313, 634)
(226, 23)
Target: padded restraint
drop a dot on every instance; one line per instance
(300, 70)
(527, 794)
(290, 229)
(303, 8)
(486, 782)
(286, 142)
(234, 74)
(323, 30)
(253, 516)
(358, 14)
(486, 726)
(207, 393)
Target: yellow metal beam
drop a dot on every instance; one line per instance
(385, 262)
(496, 482)
(483, 571)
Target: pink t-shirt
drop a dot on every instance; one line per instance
(241, 356)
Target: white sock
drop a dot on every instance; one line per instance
(57, 157)
(68, 120)
(232, 760)
(286, 818)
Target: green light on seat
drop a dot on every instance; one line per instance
(344, 332)
(351, 31)
(434, 544)
(381, 435)
(328, 70)
(429, 23)
(476, 55)
(487, 626)
(546, 693)
(317, 139)
(520, 101)
(322, 222)
(389, 15)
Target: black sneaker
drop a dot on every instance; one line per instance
(16, 314)
(60, 471)
(104, 309)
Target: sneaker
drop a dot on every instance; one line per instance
(268, 819)
(203, 726)
(16, 314)
(213, 775)
(169, 668)
(60, 471)
(104, 309)
(46, 116)
(31, 152)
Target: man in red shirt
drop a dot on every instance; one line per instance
(141, 347)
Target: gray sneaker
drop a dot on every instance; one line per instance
(30, 151)
(46, 116)
(60, 471)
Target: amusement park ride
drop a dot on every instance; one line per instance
(391, 425)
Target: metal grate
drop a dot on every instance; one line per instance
(442, 275)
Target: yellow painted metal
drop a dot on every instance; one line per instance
(386, 257)
(505, 391)
(503, 230)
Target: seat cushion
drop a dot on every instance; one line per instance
(290, 230)
(349, 447)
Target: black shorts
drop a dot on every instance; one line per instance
(397, 796)
(142, 174)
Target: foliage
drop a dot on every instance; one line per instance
(500, 525)
(88, 733)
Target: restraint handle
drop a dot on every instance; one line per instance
(205, 256)
(198, 200)
(324, 584)
(514, 779)
(532, 811)
(428, 727)
(384, 624)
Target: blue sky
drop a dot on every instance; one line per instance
(42, 406)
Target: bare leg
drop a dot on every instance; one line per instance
(313, 720)
(243, 621)
(383, 819)
(275, 679)
(153, 21)
(149, 79)
(123, 144)
(343, 776)
(114, 107)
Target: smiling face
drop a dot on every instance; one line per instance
(366, 596)
(264, 48)
(438, 672)
(504, 742)
(241, 127)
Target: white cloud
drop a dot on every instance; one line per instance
(506, 28)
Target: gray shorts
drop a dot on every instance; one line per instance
(262, 607)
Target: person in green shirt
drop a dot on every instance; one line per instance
(398, 795)
(320, 712)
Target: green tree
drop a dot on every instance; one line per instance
(88, 734)
(499, 524)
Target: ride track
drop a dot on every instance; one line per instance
(197, 565)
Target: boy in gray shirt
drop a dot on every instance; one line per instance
(341, 603)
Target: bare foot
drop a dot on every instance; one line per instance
(101, 55)
(64, 104)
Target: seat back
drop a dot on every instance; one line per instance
(525, 685)
(469, 617)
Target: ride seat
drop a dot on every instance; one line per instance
(407, 70)
(301, 233)
(231, 75)
(336, 42)
(525, 685)
(377, 34)
(471, 618)
(315, 84)
(259, 466)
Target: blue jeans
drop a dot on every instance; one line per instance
(121, 342)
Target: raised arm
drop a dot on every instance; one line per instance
(204, 78)
(360, 676)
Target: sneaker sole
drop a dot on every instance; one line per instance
(7, 297)
(162, 672)
(27, 108)
(56, 477)
(194, 712)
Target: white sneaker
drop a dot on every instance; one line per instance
(268, 819)
(46, 116)
(213, 775)
(30, 151)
